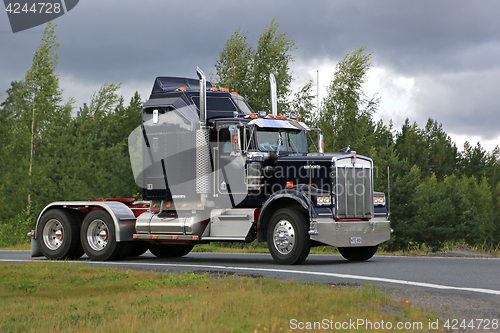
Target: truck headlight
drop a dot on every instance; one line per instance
(323, 201)
(379, 200)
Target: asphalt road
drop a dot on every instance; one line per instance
(477, 278)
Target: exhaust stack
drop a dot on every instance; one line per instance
(203, 96)
(203, 166)
(274, 95)
(321, 148)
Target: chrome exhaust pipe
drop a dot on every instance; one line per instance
(203, 96)
(274, 95)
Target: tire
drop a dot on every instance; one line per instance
(288, 237)
(358, 253)
(170, 250)
(185, 250)
(138, 249)
(78, 216)
(58, 235)
(98, 237)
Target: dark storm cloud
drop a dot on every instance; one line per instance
(409, 36)
(465, 103)
(450, 47)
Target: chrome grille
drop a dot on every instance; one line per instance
(353, 190)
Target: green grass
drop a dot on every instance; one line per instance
(65, 297)
(17, 247)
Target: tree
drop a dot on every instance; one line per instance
(303, 105)
(272, 56)
(245, 69)
(97, 143)
(411, 146)
(44, 95)
(403, 208)
(234, 64)
(14, 150)
(473, 160)
(34, 117)
(346, 114)
(442, 153)
(429, 148)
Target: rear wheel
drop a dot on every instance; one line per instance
(170, 250)
(287, 237)
(138, 249)
(58, 235)
(362, 253)
(98, 237)
(78, 216)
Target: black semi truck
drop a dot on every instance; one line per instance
(212, 169)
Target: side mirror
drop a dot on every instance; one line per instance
(234, 132)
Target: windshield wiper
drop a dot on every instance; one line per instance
(293, 145)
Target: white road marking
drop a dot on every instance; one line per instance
(287, 271)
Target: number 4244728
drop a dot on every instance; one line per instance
(36, 8)
(485, 324)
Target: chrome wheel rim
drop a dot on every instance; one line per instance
(97, 235)
(284, 237)
(53, 234)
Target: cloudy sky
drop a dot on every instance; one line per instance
(438, 59)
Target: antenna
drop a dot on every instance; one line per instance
(317, 93)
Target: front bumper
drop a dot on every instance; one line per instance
(350, 233)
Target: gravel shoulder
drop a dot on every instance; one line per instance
(452, 306)
(461, 251)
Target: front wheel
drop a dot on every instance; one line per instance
(98, 237)
(362, 253)
(287, 237)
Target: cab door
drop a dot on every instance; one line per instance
(230, 174)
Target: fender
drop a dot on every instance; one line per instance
(123, 217)
(299, 197)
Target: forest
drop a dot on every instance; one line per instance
(55, 150)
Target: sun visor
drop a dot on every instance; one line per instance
(166, 84)
(271, 123)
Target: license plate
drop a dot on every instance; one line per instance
(354, 240)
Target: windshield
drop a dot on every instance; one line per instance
(286, 140)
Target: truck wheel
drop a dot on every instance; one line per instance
(138, 249)
(58, 235)
(98, 237)
(170, 250)
(78, 216)
(287, 237)
(362, 253)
